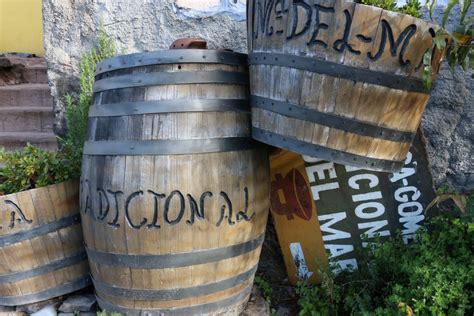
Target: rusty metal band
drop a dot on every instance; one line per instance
(332, 69)
(169, 106)
(173, 294)
(171, 78)
(182, 56)
(325, 153)
(46, 294)
(173, 260)
(168, 147)
(40, 230)
(184, 311)
(50, 267)
(331, 120)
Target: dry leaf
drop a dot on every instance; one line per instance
(458, 199)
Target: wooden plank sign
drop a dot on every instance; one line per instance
(351, 202)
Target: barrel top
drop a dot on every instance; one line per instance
(176, 56)
(44, 189)
(353, 35)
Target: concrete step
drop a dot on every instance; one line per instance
(35, 74)
(25, 95)
(18, 140)
(16, 70)
(11, 60)
(26, 119)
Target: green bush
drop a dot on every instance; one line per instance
(412, 7)
(433, 275)
(384, 4)
(457, 45)
(31, 168)
(105, 313)
(265, 287)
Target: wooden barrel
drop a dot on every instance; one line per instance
(337, 80)
(41, 245)
(175, 193)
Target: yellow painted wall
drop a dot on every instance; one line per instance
(21, 27)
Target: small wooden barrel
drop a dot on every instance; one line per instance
(41, 244)
(175, 193)
(337, 80)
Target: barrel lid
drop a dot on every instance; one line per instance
(180, 56)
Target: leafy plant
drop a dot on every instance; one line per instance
(31, 168)
(105, 313)
(412, 7)
(265, 287)
(458, 45)
(319, 300)
(34, 167)
(433, 275)
(77, 109)
(383, 4)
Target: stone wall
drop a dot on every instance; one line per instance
(448, 124)
(70, 27)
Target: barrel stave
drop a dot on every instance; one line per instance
(184, 168)
(350, 60)
(231, 301)
(373, 106)
(42, 247)
(187, 217)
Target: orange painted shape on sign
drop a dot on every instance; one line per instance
(295, 217)
(290, 196)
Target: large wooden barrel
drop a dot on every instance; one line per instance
(41, 245)
(175, 193)
(337, 80)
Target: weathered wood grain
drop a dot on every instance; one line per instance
(41, 244)
(161, 212)
(368, 71)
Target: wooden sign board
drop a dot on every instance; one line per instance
(323, 208)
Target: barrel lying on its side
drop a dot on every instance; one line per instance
(338, 80)
(175, 194)
(41, 245)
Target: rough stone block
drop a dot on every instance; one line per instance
(81, 303)
(6, 98)
(47, 119)
(46, 99)
(29, 97)
(256, 304)
(22, 121)
(35, 307)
